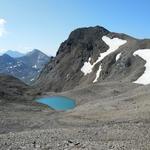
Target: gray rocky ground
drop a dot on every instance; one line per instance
(98, 122)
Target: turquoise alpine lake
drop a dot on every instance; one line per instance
(58, 102)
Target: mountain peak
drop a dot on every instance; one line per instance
(14, 54)
(90, 55)
(6, 56)
(84, 32)
(85, 37)
(36, 52)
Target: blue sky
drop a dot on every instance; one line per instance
(44, 24)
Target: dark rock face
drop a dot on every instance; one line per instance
(64, 71)
(26, 68)
(13, 90)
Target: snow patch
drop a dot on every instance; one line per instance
(118, 56)
(35, 66)
(113, 44)
(87, 67)
(145, 54)
(98, 74)
(32, 79)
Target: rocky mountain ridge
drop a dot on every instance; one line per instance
(93, 54)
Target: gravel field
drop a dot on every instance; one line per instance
(116, 116)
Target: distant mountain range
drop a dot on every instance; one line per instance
(26, 68)
(14, 54)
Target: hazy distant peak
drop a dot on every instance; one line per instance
(7, 56)
(36, 52)
(14, 54)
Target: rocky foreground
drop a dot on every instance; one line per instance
(98, 122)
(111, 136)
